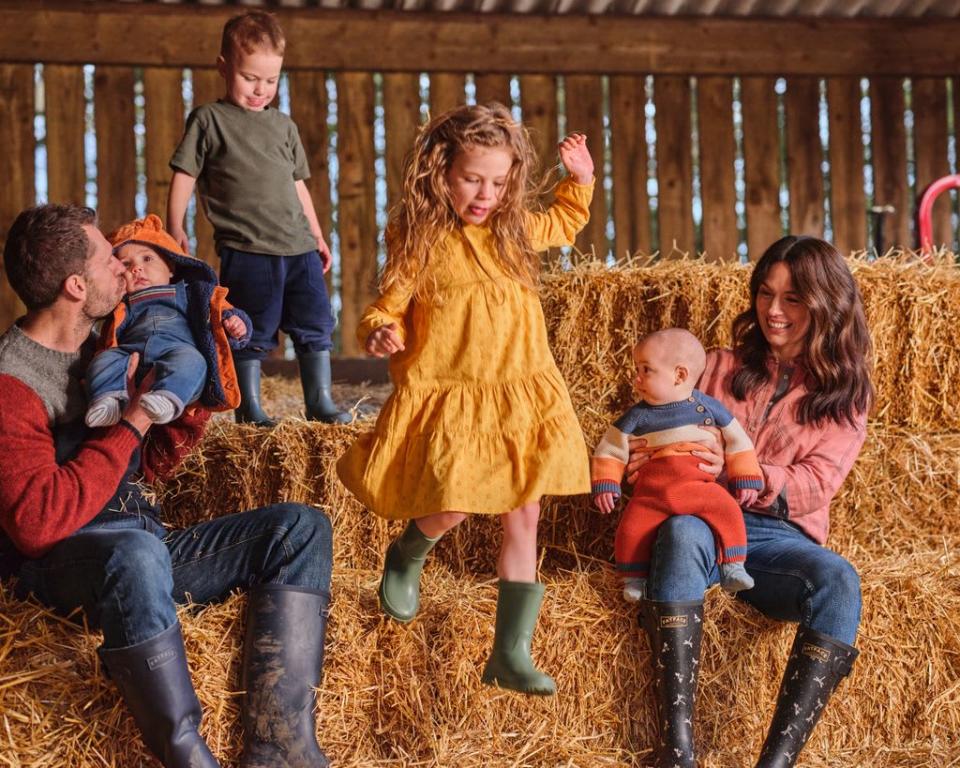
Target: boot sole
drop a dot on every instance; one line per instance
(509, 685)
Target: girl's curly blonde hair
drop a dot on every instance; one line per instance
(425, 212)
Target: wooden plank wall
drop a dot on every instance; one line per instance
(752, 153)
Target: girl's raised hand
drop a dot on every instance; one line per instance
(384, 341)
(576, 158)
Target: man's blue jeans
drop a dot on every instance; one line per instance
(796, 578)
(128, 573)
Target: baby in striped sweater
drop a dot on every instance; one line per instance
(675, 419)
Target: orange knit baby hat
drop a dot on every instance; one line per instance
(148, 230)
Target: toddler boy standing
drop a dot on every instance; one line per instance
(250, 168)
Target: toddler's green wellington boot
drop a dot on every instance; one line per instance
(510, 665)
(315, 377)
(400, 585)
(248, 379)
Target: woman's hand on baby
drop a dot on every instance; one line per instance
(639, 455)
(235, 327)
(746, 497)
(576, 158)
(711, 457)
(605, 502)
(384, 341)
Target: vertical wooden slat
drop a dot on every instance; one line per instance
(207, 87)
(64, 108)
(847, 199)
(116, 149)
(718, 151)
(308, 108)
(631, 205)
(357, 220)
(446, 92)
(761, 150)
(804, 156)
(401, 108)
(674, 164)
(493, 88)
(16, 164)
(538, 107)
(584, 101)
(889, 144)
(930, 148)
(163, 118)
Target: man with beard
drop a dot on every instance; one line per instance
(78, 533)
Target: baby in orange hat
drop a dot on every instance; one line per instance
(175, 316)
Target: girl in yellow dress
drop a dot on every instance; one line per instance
(480, 420)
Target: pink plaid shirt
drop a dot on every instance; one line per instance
(806, 462)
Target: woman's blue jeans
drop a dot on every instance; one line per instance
(127, 574)
(796, 578)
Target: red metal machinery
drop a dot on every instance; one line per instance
(925, 209)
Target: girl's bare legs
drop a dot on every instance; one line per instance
(518, 553)
(400, 585)
(518, 605)
(434, 526)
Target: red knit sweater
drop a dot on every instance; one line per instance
(42, 502)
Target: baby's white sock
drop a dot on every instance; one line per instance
(104, 411)
(159, 407)
(634, 589)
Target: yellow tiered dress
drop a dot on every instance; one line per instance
(480, 419)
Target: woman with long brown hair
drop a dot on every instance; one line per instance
(798, 380)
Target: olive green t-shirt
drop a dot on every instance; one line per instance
(246, 164)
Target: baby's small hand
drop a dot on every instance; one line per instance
(746, 497)
(605, 502)
(384, 341)
(235, 326)
(576, 158)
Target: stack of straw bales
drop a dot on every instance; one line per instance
(411, 695)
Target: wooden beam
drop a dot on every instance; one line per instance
(761, 156)
(671, 95)
(207, 87)
(847, 198)
(930, 149)
(631, 205)
(65, 109)
(804, 156)
(584, 101)
(116, 148)
(163, 106)
(16, 165)
(357, 220)
(717, 159)
(188, 35)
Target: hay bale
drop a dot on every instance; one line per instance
(901, 496)
(411, 695)
(594, 314)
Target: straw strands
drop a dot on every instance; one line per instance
(411, 695)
